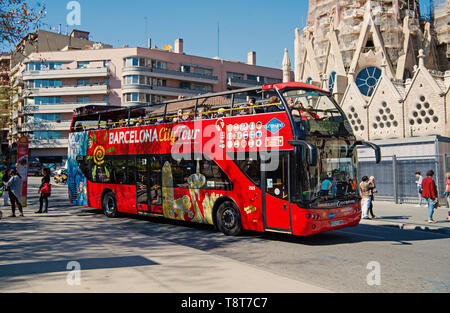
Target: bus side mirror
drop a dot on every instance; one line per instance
(313, 155)
(374, 147)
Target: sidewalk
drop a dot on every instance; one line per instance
(409, 216)
(37, 253)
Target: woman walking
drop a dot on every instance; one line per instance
(15, 192)
(45, 191)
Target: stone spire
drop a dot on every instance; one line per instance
(286, 67)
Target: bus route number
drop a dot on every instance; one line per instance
(246, 302)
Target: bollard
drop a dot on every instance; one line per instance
(395, 179)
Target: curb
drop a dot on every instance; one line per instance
(407, 226)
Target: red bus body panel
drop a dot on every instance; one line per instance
(216, 139)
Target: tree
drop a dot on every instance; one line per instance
(17, 19)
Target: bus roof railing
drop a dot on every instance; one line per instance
(166, 103)
(158, 106)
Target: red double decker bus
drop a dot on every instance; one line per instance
(279, 158)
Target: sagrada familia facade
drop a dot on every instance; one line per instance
(387, 65)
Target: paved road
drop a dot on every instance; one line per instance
(134, 254)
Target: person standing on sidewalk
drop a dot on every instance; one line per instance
(419, 187)
(15, 192)
(373, 191)
(45, 194)
(365, 190)
(447, 192)
(5, 180)
(429, 193)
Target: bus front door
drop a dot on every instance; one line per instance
(275, 188)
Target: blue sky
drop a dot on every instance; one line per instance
(264, 26)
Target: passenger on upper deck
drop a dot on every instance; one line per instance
(222, 113)
(140, 122)
(275, 105)
(189, 116)
(122, 123)
(298, 110)
(179, 117)
(253, 110)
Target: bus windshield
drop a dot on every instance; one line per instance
(335, 176)
(317, 113)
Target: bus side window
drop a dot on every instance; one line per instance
(215, 177)
(252, 168)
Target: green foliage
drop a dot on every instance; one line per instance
(17, 19)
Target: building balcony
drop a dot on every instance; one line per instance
(243, 83)
(169, 74)
(100, 89)
(46, 126)
(49, 143)
(161, 90)
(66, 73)
(58, 108)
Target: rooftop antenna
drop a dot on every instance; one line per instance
(218, 39)
(146, 27)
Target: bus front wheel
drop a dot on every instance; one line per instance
(109, 205)
(229, 219)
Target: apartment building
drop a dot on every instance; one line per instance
(5, 63)
(57, 82)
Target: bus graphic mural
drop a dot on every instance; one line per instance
(76, 179)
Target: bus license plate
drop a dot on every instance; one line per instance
(337, 223)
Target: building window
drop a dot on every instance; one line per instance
(185, 85)
(274, 80)
(202, 88)
(131, 97)
(45, 66)
(203, 71)
(83, 64)
(83, 99)
(47, 135)
(83, 82)
(332, 81)
(159, 64)
(367, 80)
(309, 80)
(132, 80)
(129, 62)
(45, 83)
(158, 82)
(185, 69)
(235, 76)
(47, 117)
(47, 100)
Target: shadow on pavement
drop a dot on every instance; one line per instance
(32, 268)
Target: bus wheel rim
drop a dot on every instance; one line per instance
(229, 218)
(110, 205)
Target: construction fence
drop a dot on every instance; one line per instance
(396, 176)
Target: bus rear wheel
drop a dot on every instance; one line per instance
(109, 204)
(229, 219)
